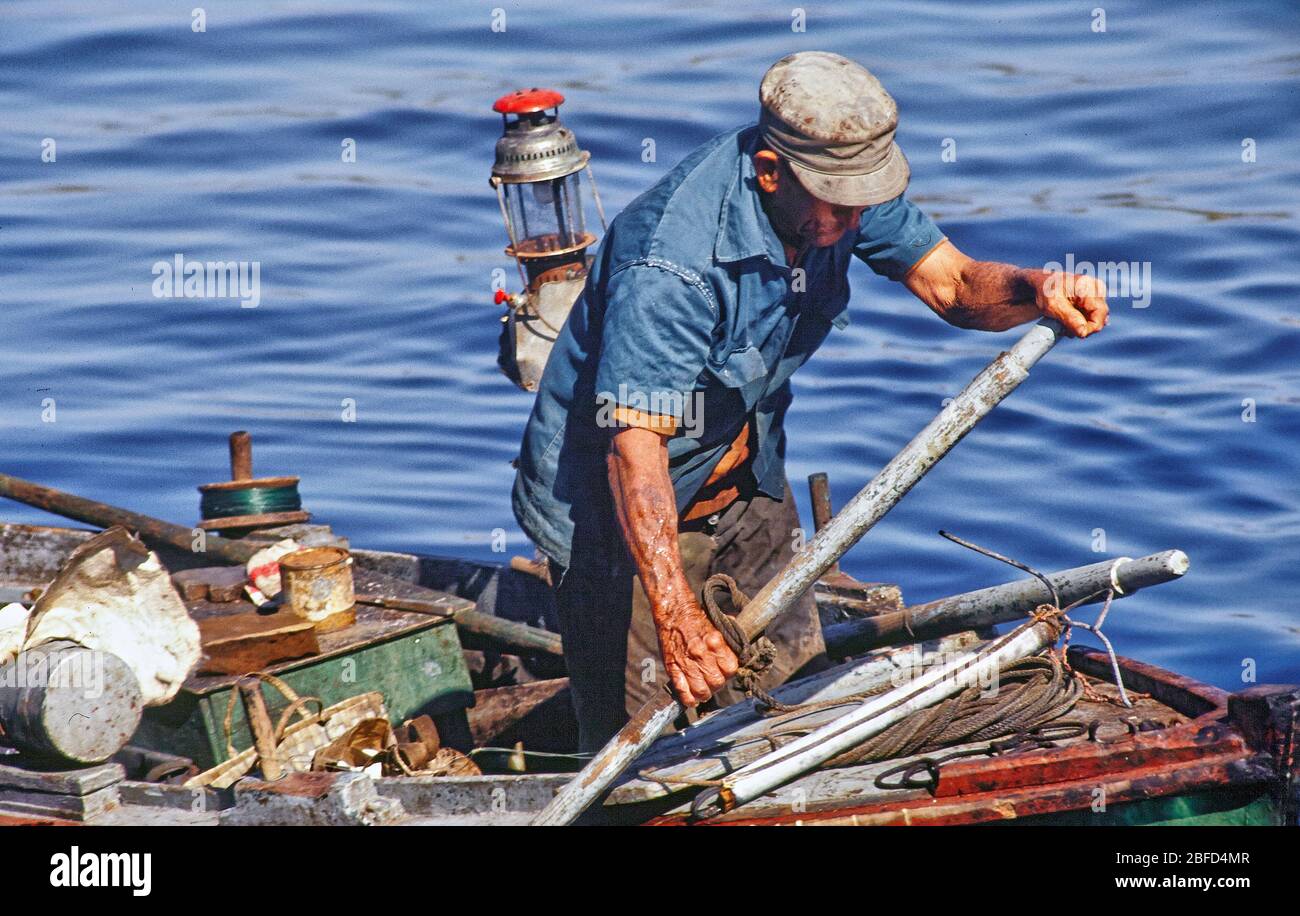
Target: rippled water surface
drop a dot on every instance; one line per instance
(376, 275)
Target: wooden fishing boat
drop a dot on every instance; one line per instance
(1186, 753)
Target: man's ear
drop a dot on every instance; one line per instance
(767, 165)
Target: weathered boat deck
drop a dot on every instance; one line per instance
(1192, 753)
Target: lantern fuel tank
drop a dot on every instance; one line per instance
(543, 180)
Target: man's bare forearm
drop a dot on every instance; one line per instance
(647, 515)
(696, 657)
(993, 296)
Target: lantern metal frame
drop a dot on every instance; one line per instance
(537, 136)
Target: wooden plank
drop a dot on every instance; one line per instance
(50, 804)
(240, 643)
(498, 711)
(33, 554)
(163, 795)
(492, 798)
(1145, 750)
(34, 820)
(857, 599)
(374, 625)
(62, 782)
(806, 807)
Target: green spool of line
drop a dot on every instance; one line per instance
(217, 504)
(245, 502)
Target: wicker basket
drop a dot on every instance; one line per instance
(297, 743)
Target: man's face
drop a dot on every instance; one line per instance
(800, 220)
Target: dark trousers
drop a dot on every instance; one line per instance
(611, 647)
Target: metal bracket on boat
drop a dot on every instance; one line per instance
(711, 802)
(1132, 726)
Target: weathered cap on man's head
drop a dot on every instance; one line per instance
(834, 123)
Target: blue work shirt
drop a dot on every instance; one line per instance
(690, 311)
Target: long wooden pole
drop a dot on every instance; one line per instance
(977, 399)
(102, 515)
(1002, 603)
(516, 635)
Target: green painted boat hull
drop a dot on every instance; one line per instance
(1245, 807)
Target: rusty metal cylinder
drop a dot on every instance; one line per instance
(317, 585)
(64, 702)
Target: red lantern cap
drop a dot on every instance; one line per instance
(527, 101)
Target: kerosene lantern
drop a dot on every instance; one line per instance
(539, 179)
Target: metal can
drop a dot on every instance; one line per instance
(62, 701)
(317, 585)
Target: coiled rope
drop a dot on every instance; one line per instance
(756, 656)
(1029, 692)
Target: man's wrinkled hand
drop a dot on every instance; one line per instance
(696, 656)
(1077, 301)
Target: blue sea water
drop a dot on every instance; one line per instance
(1178, 426)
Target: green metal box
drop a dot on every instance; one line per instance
(415, 662)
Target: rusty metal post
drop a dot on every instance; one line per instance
(976, 400)
(241, 456)
(819, 491)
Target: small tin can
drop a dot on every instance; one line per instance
(317, 586)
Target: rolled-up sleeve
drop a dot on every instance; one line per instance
(894, 236)
(656, 337)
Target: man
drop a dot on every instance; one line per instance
(654, 454)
